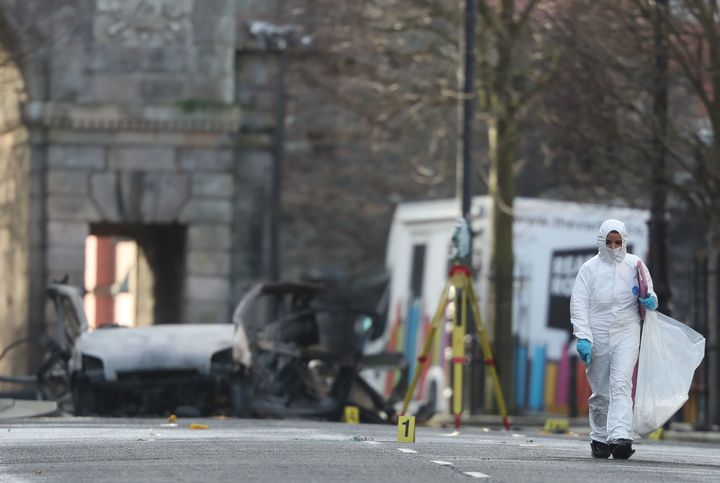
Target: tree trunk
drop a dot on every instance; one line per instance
(502, 121)
(711, 363)
(502, 191)
(657, 258)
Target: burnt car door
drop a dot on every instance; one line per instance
(54, 374)
(70, 313)
(306, 353)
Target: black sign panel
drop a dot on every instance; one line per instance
(564, 267)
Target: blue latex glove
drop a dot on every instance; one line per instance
(584, 347)
(650, 302)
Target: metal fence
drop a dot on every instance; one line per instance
(700, 410)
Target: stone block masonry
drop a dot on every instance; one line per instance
(135, 125)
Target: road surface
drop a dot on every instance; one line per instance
(99, 450)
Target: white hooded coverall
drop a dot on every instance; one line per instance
(604, 310)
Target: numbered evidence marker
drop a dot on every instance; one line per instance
(352, 415)
(406, 429)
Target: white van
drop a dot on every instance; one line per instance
(552, 239)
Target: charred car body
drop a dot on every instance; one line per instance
(306, 362)
(290, 351)
(115, 370)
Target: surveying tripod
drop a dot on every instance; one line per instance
(460, 279)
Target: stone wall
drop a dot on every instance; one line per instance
(16, 218)
(155, 51)
(140, 122)
(130, 120)
(102, 172)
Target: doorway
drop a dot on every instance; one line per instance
(134, 274)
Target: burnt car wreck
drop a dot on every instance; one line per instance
(119, 371)
(291, 350)
(307, 361)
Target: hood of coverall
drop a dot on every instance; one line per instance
(612, 254)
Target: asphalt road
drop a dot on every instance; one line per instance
(97, 450)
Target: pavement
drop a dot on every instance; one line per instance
(562, 424)
(23, 408)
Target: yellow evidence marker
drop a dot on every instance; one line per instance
(559, 426)
(406, 429)
(352, 415)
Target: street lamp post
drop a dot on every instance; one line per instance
(468, 107)
(277, 168)
(277, 39)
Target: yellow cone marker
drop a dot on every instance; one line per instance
(560, 426)
(198, 426)
(352, 415)
(406, 429)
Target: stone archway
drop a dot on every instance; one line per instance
(21, 237)
(140, 115)
(135, 126)
(133, 183)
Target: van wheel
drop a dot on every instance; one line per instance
(240, 398)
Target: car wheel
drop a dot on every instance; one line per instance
(83, 399)
(240, 397)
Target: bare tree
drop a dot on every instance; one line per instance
(513, 68)
(394, 67)
(693, 38)
(646, 111)
(372, 121)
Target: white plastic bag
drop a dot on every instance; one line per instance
(670, 351)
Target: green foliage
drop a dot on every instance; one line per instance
(195, 104)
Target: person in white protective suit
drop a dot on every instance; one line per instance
(606, 321)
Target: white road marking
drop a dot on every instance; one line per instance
(406, 450)
(476, 474)
(442, 463)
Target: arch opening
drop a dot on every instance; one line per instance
(134, 273)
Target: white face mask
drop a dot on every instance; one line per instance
(616, 254)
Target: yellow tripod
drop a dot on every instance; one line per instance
(461, 280)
